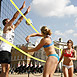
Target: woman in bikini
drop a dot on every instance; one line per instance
(48, 45)
(69, 55)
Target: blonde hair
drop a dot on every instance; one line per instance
(46, 31)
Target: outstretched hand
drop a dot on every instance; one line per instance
(27, 38)
(28, 9)
(23, 6)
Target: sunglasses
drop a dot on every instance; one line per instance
(69, 42)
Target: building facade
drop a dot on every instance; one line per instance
(20, 59)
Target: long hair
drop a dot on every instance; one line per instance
(70, 41)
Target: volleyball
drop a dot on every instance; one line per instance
(28, 22)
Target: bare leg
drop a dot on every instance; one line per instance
(50, 66)
(65, 71)
(70, 72)
(3, 70)
(51, 75)
(7, 69)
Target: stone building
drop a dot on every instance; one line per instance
(19, 58)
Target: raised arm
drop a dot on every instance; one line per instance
(40, 45)
(21, 18)
(16, 14)
(33, 35)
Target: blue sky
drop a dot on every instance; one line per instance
(58, 15)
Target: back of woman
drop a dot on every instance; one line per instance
(48, 44)
(50, 49)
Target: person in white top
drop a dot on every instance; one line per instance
(8, 34)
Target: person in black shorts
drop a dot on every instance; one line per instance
(8, 34)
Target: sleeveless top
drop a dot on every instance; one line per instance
(9, 37)
(68, 55)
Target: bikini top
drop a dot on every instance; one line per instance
(45, 46)
(67, 54)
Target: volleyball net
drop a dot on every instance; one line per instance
(8, 8)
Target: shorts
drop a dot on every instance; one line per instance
(5, 57)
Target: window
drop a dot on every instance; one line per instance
(14, 57)
(17, 57)
(24, 57)
(21, 57)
